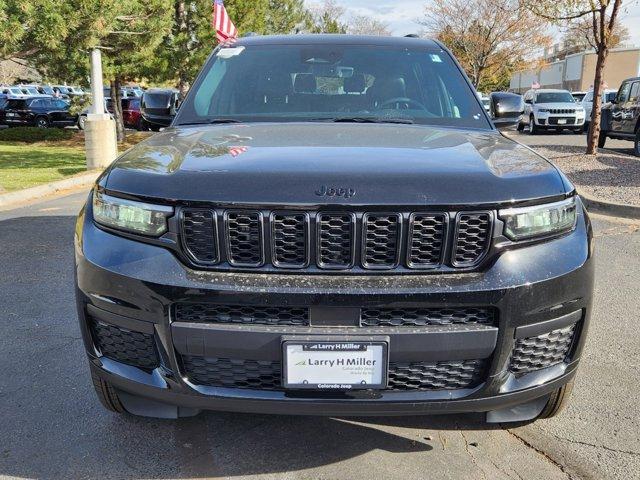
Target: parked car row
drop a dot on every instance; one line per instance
(28, 91)
(153, 110)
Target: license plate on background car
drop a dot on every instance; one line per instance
(334, 365)
(562, 121)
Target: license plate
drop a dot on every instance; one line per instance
(11, 114)
(562, 121)
(334, 365)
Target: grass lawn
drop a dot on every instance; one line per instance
(24, 165)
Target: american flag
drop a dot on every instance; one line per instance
(225, 29)
(239, 150)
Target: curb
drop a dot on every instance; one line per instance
(610, 208)
(33, 193)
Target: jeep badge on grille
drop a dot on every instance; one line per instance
(325, 191)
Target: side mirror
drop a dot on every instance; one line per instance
(506, 109)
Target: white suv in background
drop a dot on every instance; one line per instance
(547, 109)
(608, 95)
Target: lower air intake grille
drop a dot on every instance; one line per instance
(225, 372)
(436, 375)
(133, 348)
(542, 351)
(266, 375)
(419, 317)
(241, 314)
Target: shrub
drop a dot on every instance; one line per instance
(34, 134)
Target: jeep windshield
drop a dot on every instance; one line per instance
(555, 97)
(316, 82)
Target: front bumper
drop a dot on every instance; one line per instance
(135, 286)
(559, 121)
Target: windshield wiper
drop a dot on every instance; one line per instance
(213, 121)
(366, 120)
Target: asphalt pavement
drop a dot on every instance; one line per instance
(52, 426)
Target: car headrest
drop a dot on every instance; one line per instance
(385, 88)
(275, 84)
(305, 83)
(355, 84)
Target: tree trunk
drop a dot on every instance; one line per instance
(594, 128)
(116, 105)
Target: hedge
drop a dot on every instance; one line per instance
(34, 134)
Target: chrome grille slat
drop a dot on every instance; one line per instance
(341, 240)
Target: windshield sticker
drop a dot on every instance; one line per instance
(435, 58)
(229, 52)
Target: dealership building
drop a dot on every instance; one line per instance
(576, 72)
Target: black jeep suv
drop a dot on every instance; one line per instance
(333, 225)
(621, 118)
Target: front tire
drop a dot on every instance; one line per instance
(107, 395)
(520, 127)
(602, 139)
(636, 143)
(81, 120)
(557, 402)
(533, 128)
(578, 131)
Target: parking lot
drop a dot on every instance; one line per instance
(53, 426)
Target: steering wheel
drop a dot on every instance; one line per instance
(407, 100)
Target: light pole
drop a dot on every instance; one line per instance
(100, 132)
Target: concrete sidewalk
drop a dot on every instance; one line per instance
(58, 188)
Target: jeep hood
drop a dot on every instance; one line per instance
(290, 163)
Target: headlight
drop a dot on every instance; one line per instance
(136, 217)
(540, 220)
(543, 110)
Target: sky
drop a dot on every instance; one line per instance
(401, 15)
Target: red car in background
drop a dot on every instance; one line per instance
(131, 113)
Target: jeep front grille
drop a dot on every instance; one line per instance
(360, 242)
